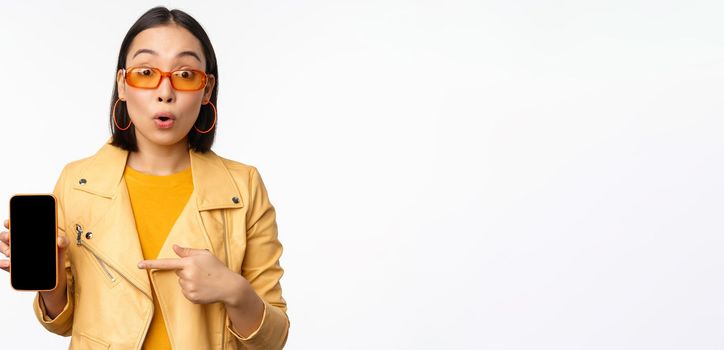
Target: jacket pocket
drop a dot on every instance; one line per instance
(110, 275)
(83, 341)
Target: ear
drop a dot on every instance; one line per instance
(121, 83)
(210, 82)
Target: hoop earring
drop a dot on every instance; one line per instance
(212, 124)
(114, 118)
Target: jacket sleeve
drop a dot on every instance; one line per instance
(261, 268)
(62, 324)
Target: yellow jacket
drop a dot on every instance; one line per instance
(109, 299)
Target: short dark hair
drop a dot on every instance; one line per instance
(155, 17)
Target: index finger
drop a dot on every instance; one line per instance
(7, 223)
(161, 264)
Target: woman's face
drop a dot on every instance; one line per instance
(168, 48)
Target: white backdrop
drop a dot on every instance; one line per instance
(447, 174)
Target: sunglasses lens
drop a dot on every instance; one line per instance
(149, 78)
(188, 80)
(142, 77)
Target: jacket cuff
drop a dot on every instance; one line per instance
(271, 333)
(62, 323)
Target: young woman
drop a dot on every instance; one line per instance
(164, 244)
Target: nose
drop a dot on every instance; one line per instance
(165, 92)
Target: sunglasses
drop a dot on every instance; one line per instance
(150, 78)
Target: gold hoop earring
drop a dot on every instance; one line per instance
(212, 124)
(114, 118)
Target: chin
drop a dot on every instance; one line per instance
(169, 140)
(164, 138)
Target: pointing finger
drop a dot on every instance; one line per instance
(161, 264)
(184, 252)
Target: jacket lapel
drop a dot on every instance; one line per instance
(214, 188)
(109, 214)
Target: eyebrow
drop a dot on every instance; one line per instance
(180, 54)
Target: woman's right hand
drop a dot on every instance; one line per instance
(5, 246)
(54, 300)
(62, 246)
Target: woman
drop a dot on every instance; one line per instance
(163, 243)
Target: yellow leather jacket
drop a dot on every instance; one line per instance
(109, 299)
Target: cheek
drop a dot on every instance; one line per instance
(137, 103)
(189, 107)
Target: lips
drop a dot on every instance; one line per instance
(164, 116)
(164, 120)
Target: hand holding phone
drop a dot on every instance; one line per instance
(37, 254)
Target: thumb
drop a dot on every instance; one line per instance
(184, 252)
(63, 242)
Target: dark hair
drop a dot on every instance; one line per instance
(155, 17)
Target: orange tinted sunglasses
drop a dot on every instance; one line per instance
(150, 78)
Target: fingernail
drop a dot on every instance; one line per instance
(141, 265)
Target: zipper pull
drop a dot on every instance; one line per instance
(78, 232)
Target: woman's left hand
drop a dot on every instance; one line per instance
(203, 277)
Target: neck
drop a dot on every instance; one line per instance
(158, 159)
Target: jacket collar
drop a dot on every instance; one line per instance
(214, 186)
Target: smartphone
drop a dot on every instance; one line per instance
(33, 237)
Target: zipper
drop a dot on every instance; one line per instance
(105, 269)
(148, 325)
(226, 242)
(150, 318)
(223, 314)
(78, 232)
(79, 242)
(165, 322)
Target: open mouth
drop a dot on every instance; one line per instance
(165, 121)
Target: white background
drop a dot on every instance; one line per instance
(447, 174)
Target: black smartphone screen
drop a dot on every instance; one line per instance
(33, 249)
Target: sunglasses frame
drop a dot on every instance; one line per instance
(165, 74)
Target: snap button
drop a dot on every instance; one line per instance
(89, 235)
(235, 200)
(82, 181)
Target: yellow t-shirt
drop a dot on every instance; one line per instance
(157, 202)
